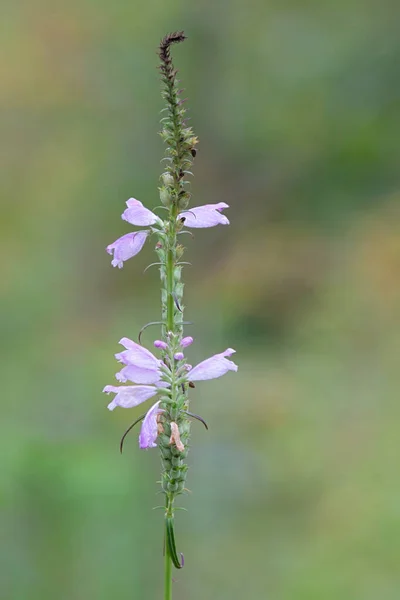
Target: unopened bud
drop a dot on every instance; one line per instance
(165, 196)
(167, 179)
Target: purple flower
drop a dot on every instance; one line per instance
(137, 214)
(126, 246)
(137, 355)
(141, 366)
(208, 215)
(149, 430)
(137, 375)
(131, 244)
(128, 396)
(213, 367)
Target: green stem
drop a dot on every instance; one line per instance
(170, 291)
(167, 570)
(170, 269)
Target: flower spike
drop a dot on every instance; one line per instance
(164, 372)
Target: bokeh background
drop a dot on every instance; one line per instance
(296, 489)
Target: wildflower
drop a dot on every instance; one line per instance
(208, 215)
(142, 367)
(213, 367)
(126, 246)
(137, 214)
(131, 244)
(130, 395)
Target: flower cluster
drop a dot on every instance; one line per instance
(155, 376)
(131, 244)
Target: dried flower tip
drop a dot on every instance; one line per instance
(160, 428)
(164, 53)
(175, 437)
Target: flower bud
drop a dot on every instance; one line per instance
(179, 356)
(167, 179)
(186, 341)
(172, 487)
(160, 344)
(165, 196)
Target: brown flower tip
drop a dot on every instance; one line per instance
(175, 437)
(165, 53)
(160, 428)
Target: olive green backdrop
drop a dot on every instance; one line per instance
(296, 489)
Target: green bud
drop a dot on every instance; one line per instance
(167, 179)
(183, 201)
(177, 273)
(165, 452)
(173, 487)
(164, 440)
(165, 196)
(181, 486)
(176, 461)
(166, 464)
(184, 427)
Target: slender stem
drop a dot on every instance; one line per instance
(170, 291)
(167, 571)
(170, 267)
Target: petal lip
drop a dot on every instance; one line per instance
(137, 214)
(137, 355)
(126, 247)
(207, 215)
(138, 375)
(213, 367)
(149, 429)
(129, 396)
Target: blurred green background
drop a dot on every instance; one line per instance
(296, 491)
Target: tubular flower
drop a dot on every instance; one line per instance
(149, 430)
(141, 366)
(127, 246)
(128, 396)
(131, 244)
(213, 367)
(137, 214)
(208, 215)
